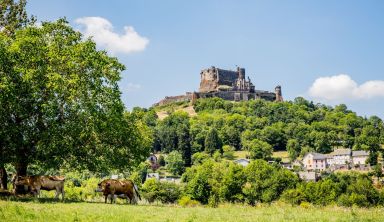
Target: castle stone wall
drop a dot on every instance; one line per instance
(225, 84)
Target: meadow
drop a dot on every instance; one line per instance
(98, 211)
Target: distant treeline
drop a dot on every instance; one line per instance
(260, 126)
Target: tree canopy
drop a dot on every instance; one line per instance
(60, 103)
(297, 126)
(13, 16)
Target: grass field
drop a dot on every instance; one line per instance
(240, 154)
(35, 211)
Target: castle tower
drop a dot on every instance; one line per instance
(241, 73)
(279, 95)
(194, 98)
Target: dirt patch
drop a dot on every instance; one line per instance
(189, 109)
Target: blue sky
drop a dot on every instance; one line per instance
(327, 51)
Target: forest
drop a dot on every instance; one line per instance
(208, 140)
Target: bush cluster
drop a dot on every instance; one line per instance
(342, 189)
(212, 182)
(164, 192)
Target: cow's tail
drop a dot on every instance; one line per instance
(136, 191)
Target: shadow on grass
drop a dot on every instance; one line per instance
(29, 198)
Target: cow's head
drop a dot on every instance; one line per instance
(20, 180)
(101, 186)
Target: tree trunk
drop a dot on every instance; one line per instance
(21, 170)
(3, 178)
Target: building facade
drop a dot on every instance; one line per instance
(315, 161)
(341, 156)
(359, 157)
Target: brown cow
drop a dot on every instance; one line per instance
(122, 188)
(37, 183)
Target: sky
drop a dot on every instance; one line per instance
(327, 51)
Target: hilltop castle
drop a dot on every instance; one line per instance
(226, 84)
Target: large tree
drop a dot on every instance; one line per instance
(168, 134)
(184, 143)
(213, 142)
(60, 103)
(258, 149)
(13, 16)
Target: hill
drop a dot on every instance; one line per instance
(297, 126)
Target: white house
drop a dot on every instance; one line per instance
(308, 176)
(153, 175)
(359, 157)
(329, 159)
(243, 162)
(341, 156)
(315, 161)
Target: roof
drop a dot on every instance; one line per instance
(317, 156)
(242, 160)
(328, 156)
(341, 152)
(360, 153)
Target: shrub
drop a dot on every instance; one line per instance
(381, 197)
(217, 156)
(349, 200)
(229, 152)
(231, 184)
(198, 187)
(213, 201)
(212, 182)
(85, 192)
(305, 205)
(199, 158)
(265, 182)
(136, 178)
(292, 196)
(164, 192)
(161, 160)
(186, 201)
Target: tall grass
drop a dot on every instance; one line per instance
(82, 211)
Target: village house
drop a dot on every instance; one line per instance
(315, 161)
(338, 159)
(359, 157)
(152, 159)
(308, 176)
(286, 165)
(329, 159)
(341, 157)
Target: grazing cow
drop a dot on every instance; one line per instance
(37, 183)
(121, 196)
(121, 188)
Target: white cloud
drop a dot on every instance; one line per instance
(101, 30)
(131, 87)
(342, 87)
